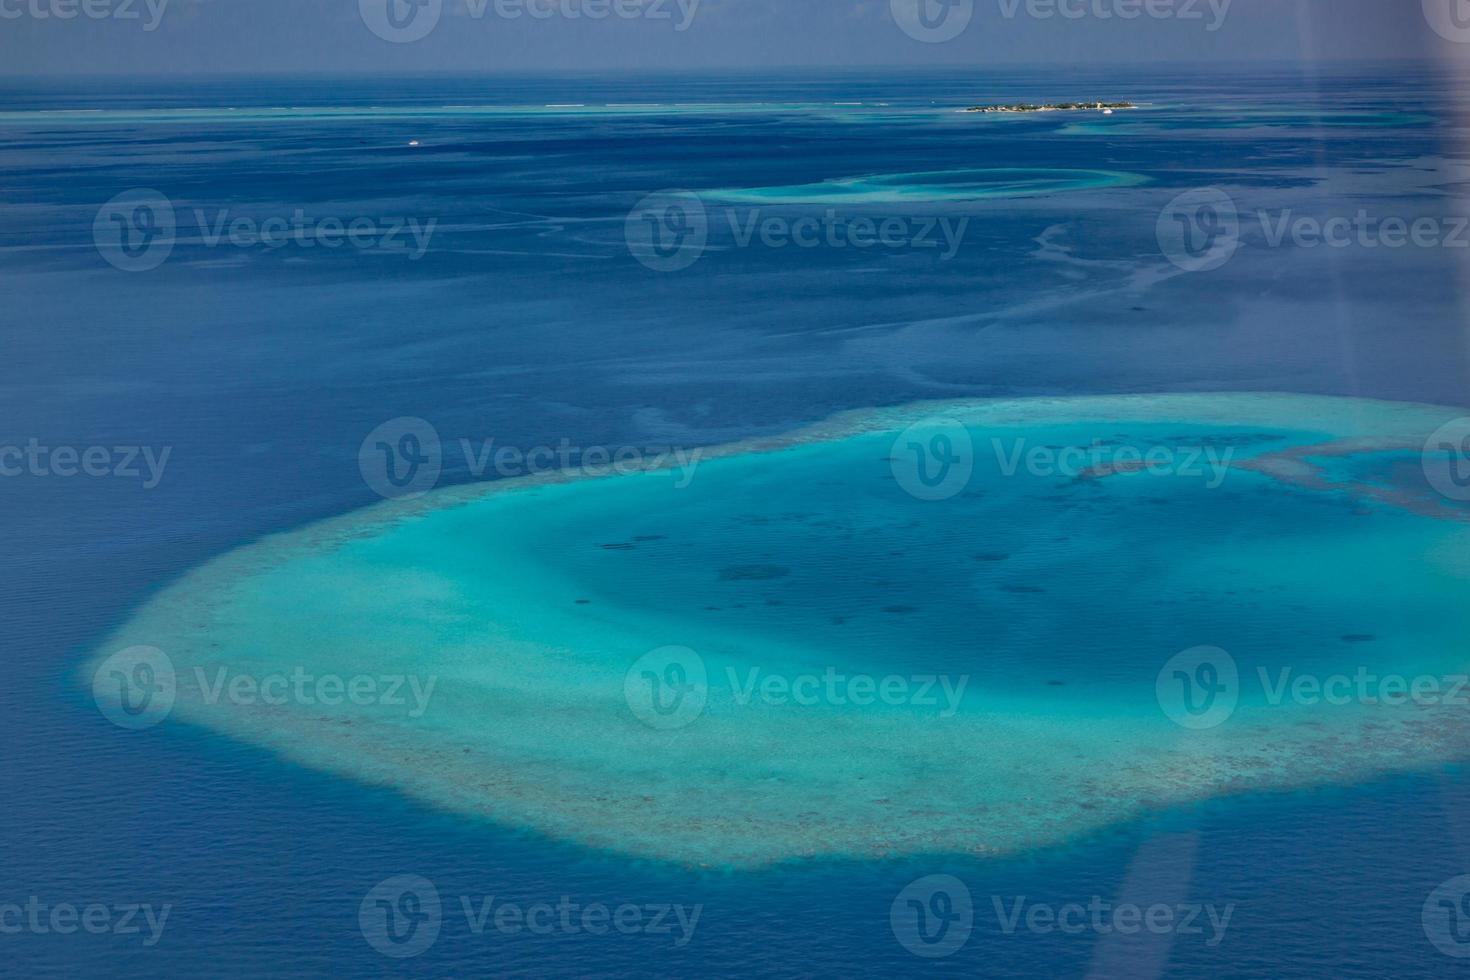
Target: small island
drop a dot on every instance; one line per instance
(1053, 107)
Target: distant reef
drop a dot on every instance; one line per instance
(1053, 107)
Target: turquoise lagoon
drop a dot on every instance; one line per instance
(1055, 603)
(948, 185)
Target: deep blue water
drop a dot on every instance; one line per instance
(528, 321)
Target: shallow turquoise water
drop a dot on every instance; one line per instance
(949, 185)
(1210, 118)
(1039, 610)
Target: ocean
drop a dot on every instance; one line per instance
(501, 295)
